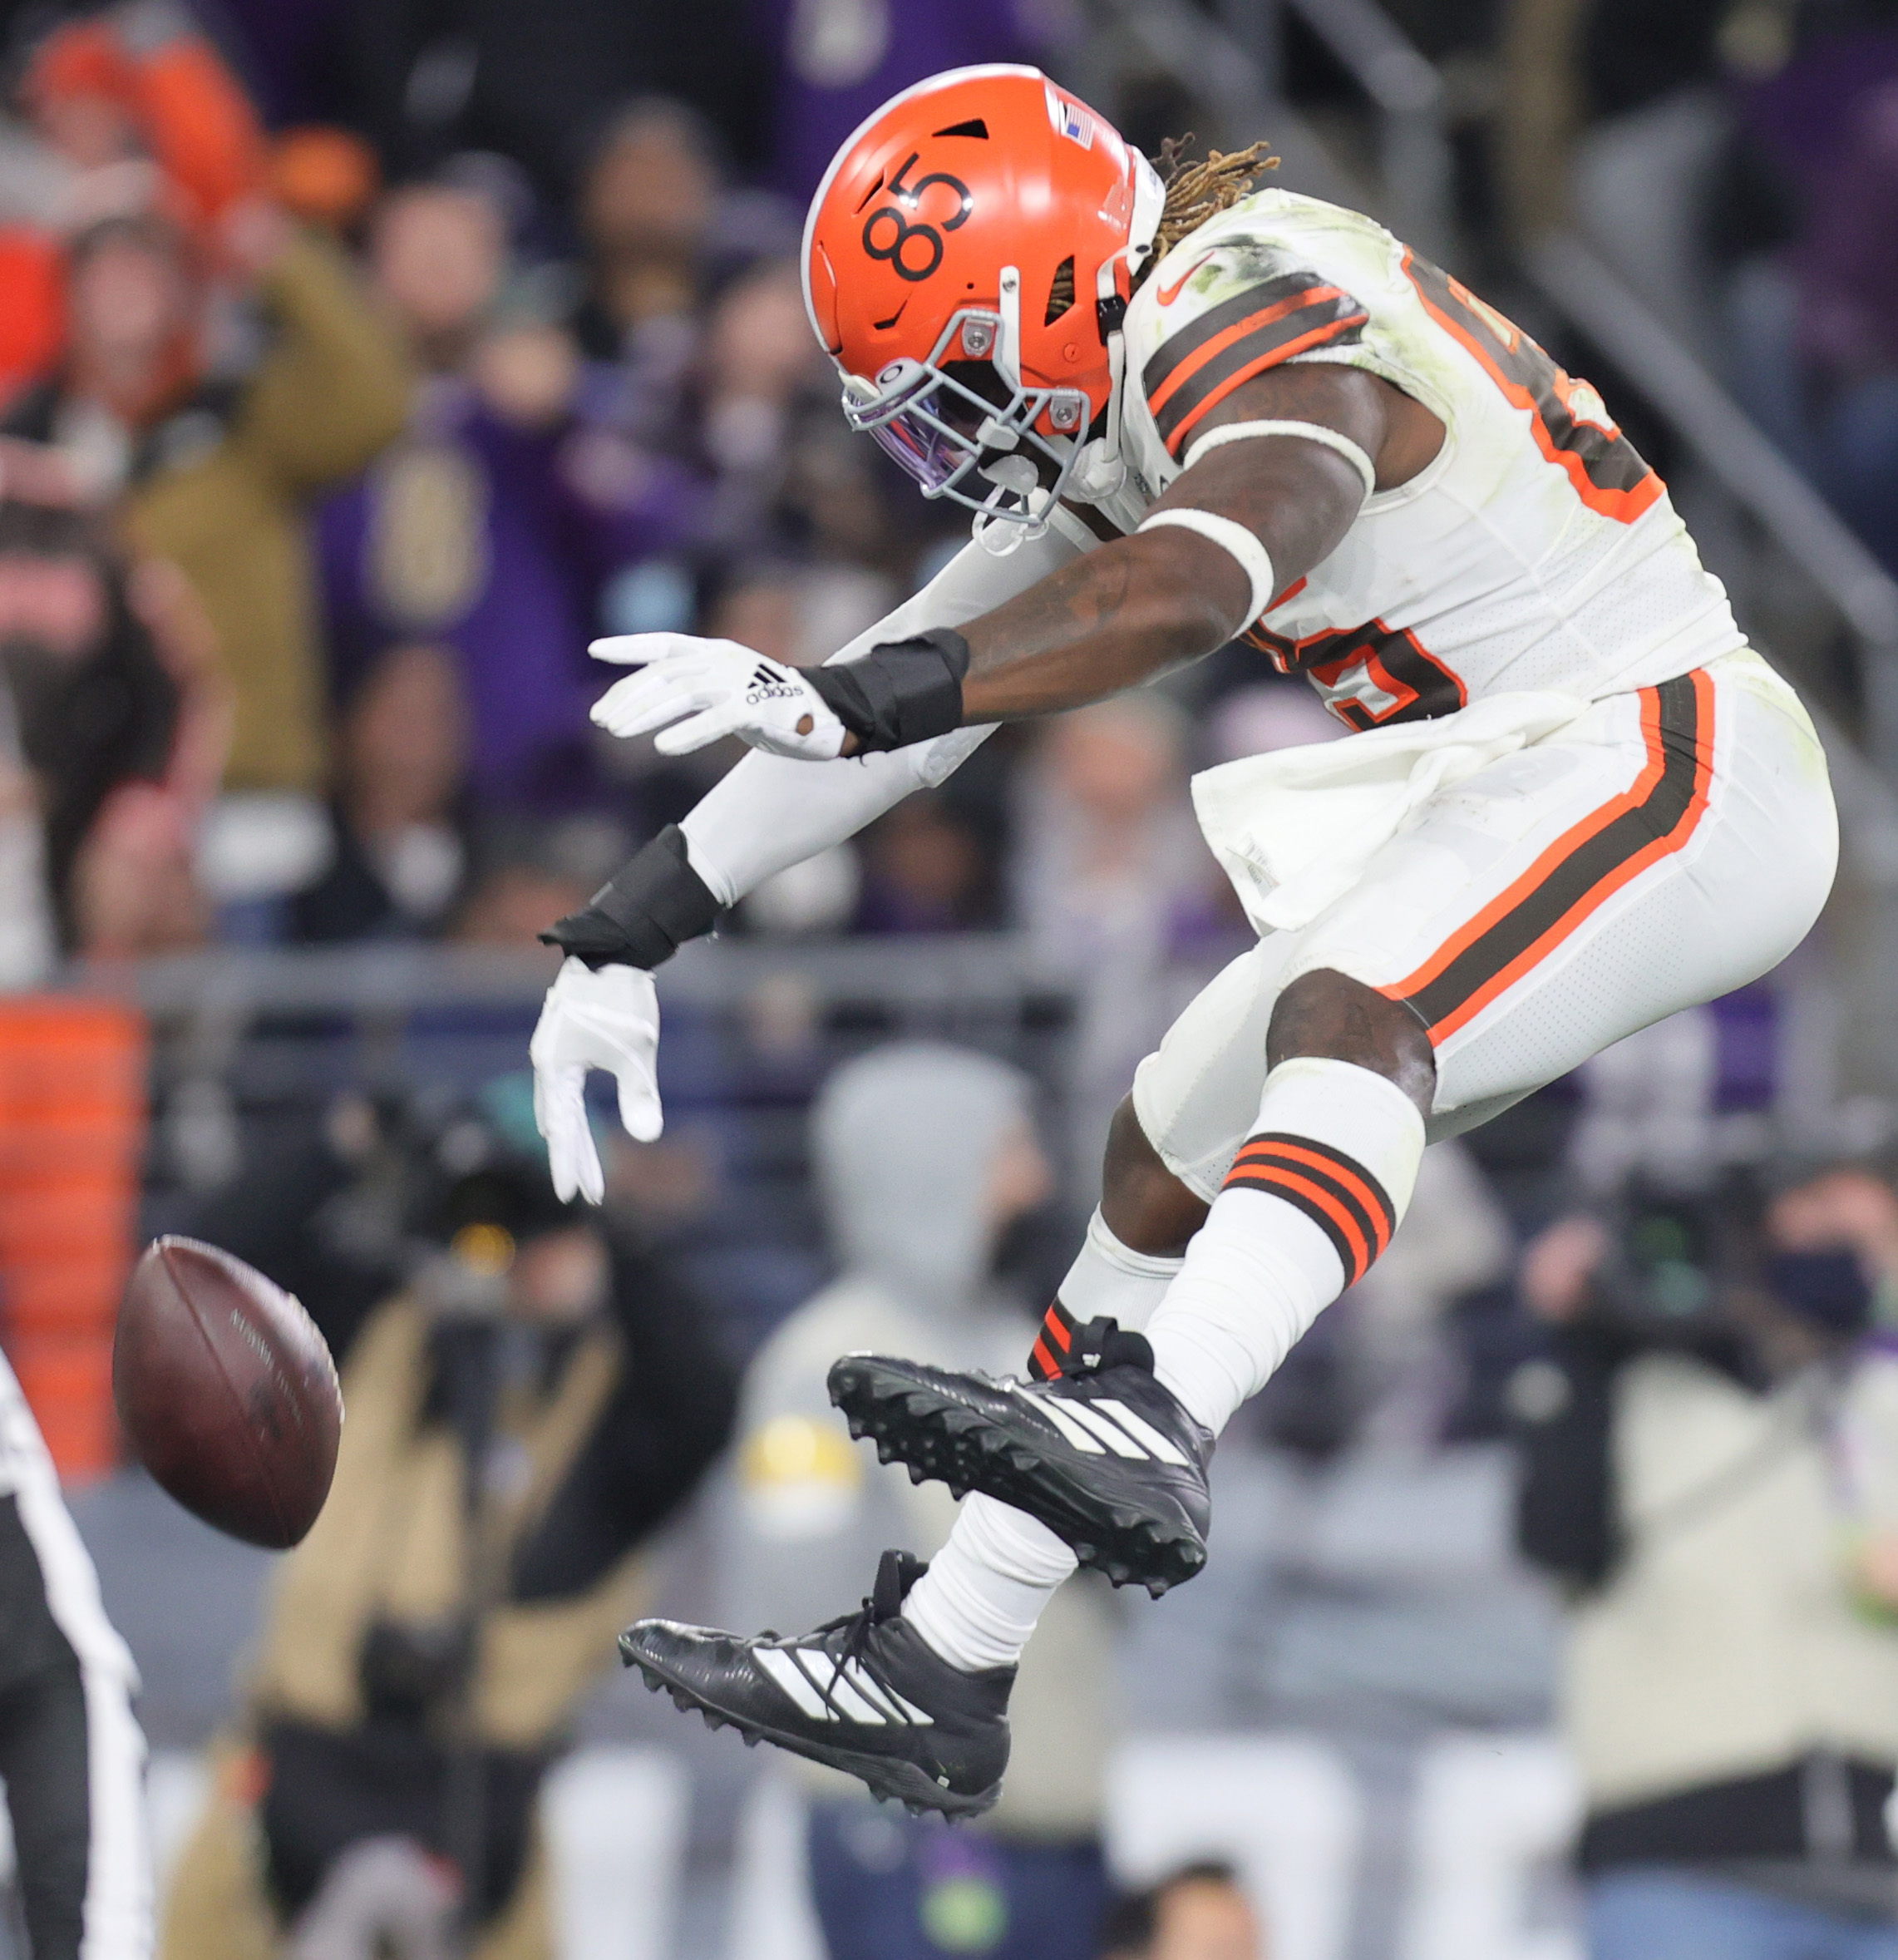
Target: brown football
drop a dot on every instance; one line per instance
(226, 1392)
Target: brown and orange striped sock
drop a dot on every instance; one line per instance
(1107, 1280)
(1312, 1199)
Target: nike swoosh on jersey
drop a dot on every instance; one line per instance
(1167, 294)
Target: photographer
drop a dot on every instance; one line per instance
(1711, 1465)
(521, 1419)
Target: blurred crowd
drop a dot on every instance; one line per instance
(325, 454)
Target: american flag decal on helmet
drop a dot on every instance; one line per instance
(1071, 120)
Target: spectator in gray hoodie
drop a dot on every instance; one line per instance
(924, 1154)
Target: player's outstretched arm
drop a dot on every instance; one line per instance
(766, 815)
(1284, 467)
(1252, 514)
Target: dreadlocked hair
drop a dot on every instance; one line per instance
(1198, 191)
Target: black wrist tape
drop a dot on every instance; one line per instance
(645, 913)
(900, 694)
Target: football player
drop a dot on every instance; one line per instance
(1183, 412)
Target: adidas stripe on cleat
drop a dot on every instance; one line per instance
(864, 1694)
(1100, 1452)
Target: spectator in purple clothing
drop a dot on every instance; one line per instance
(924, 870)
(491, 528)
(1828, 124)
(288, 52)
(668, 303)
(401, 858)
(1848, 287)
(838, 61)
(647, 205)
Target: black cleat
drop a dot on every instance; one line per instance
(864, 1694)
(1102, 1454)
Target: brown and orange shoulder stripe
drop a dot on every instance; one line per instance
(1196, 368)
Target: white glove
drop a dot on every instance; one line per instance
(725, 688)
(609, 1019)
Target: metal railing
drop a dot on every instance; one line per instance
(922, 979)
(1407, 96)
(257, 1029)
(1710, 425)
(243, 1036)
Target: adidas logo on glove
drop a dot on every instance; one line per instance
(772, 683)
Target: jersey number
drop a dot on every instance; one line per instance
(1572, 426)
(1368, 676)
(915, 251)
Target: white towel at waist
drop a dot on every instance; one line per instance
(1295, 829)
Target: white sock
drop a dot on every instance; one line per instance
(978, 1602)
(1312, 1199)
(1106, 1278)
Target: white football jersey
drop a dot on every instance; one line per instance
(1536, 550)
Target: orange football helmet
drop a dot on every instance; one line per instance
(967, 261)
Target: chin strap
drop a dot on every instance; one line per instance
(1001, 537)
(1100, 470)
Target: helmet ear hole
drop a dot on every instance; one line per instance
(1061, 292)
